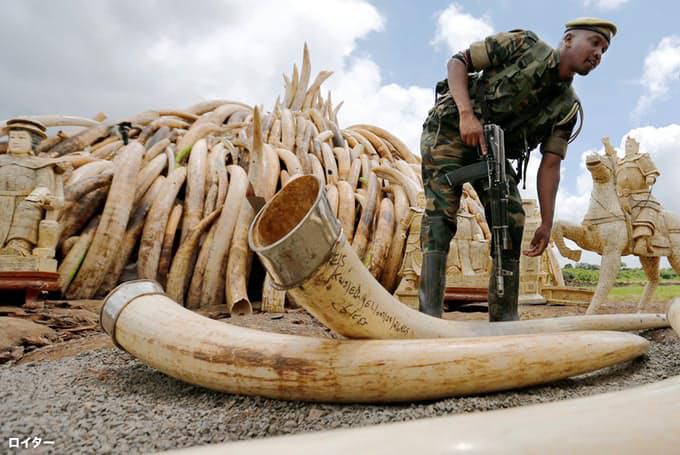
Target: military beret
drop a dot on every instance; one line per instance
(601, 26)
(22, 123)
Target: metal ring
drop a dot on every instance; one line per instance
(303, 280)
(116, 301)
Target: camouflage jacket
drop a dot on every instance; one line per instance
(517, 87)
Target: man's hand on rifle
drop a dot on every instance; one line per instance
(471, 131)
(539, 242)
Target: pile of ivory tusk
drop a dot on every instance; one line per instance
(173, 205)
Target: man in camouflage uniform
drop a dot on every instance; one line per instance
(524, 85)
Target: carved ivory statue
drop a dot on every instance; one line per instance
(622, 210)
(636, 173)
(468, 262)
(31, 193)
(469, 251)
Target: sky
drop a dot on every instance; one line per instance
(122, 57)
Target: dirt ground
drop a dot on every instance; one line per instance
(63, 380)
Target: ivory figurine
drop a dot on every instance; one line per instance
(468, 262)
(622, 219)
(31, 194)
(636, 173)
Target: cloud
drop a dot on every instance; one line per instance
(125, 57)
(400, 110)
(661, 69)
(609, 5)
(458, 29)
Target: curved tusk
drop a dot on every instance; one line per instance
(403, 150)
(81, 140)
(83, 187)
(112, 224)
(214, 278)
(194, 199)
(395, 176)
(88, 170)
(376, 142)
(155, 222)
(180, 273)
(301, 246)
(59, 120)
(608, 423)
(219, 356)
(207, 106)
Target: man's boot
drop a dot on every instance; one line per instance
(504, 308)
(432, 283)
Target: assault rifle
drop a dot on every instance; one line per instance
(492, 167)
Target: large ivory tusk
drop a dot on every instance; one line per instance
(223, 357)
(156, 149)
(74, 258)
(89, 170)
(301, 246)
(214, 278)
(639, 420)
(395, 176)
(165, 258)
(299, 97)
(608, 423)
(194, 199)
(80, 140)
(111, 228)
(59, 120)
(83, 187)
(132, 233)
(154, 225)
(403, 150)
(207, 106)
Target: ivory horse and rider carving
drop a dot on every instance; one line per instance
(622, 219)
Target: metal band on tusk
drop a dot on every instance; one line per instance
(116, 301)
(280, 233)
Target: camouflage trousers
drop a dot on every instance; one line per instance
(443, 150)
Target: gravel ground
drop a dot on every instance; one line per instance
(105, 401)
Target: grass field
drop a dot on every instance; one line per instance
(629, 282)
(633, 293)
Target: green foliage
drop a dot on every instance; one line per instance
(579, 276)
(668, 274)
(629, 282)
(588, 275)
(586, 266)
